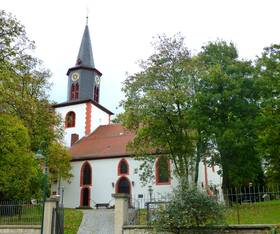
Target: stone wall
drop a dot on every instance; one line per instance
(20, 229)
(232, 229)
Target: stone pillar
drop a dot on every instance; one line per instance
(121, 211)
(50, 204)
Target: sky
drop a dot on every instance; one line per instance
(122, 31)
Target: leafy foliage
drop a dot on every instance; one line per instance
(23, 93)
(156, 107)
(19, 174)
(268, 84)
(225, 110)
(189, 208)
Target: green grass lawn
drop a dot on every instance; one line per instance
(255, 213)
(72, 220)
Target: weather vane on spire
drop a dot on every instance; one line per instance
(87, 15)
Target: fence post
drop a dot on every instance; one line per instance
(121, 211)
(50, 204)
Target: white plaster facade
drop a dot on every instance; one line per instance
(98, 117)
(104, 181)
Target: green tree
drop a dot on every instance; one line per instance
(19, 172)
(268, 85)
(24, 85)
(225, 109)
(156, 105)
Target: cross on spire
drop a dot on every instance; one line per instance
(87, 16)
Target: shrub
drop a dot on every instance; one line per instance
(189, 208)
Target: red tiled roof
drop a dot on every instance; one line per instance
(106, 141)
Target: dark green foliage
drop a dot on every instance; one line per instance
(225, 111)
(19, 172)
(23, 94)
(189, 208)
(268, 84)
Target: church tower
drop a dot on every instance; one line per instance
(84, 78)
(82, 112)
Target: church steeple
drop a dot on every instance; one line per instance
(85, 57)
(84, 78)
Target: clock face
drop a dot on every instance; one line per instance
(75, 76)
(97, 79)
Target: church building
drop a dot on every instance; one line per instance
(101, 164)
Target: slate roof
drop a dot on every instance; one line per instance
(85, 55)
(107, 141)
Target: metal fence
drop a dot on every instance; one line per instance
(20, 213)
(237, 201)
(251, 194)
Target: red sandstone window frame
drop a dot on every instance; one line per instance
(82, 175)
(74, 91)
(77, 89)
(70, 123)
(157, 172)
(119, 167)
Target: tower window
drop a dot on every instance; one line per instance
(96, 94)
(75, 91)
(162, 171)
(70, 119)
(123, 168)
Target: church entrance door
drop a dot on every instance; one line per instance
(85, 195)
(123, 185)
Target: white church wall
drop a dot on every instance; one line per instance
(80, 111)
(98, 117)
(104, 182)
(212, 176)
(71, 196)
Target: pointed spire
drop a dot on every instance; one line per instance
(85, 57)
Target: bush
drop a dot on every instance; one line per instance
(189, 208)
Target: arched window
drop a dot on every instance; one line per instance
(162, 171)
(96, 94)
(123, 168)
(70, 119)
(85, 178)
(74, 91)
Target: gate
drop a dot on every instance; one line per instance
(58, 220)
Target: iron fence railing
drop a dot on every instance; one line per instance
(237, 201)
(251, 194)
(20, 213)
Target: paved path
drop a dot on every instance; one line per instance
(99, 221)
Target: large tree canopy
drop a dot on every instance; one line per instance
(225, 110)
(156, 107)
(23, 91)
(19, 172)
(268, 85)
(195, 108)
